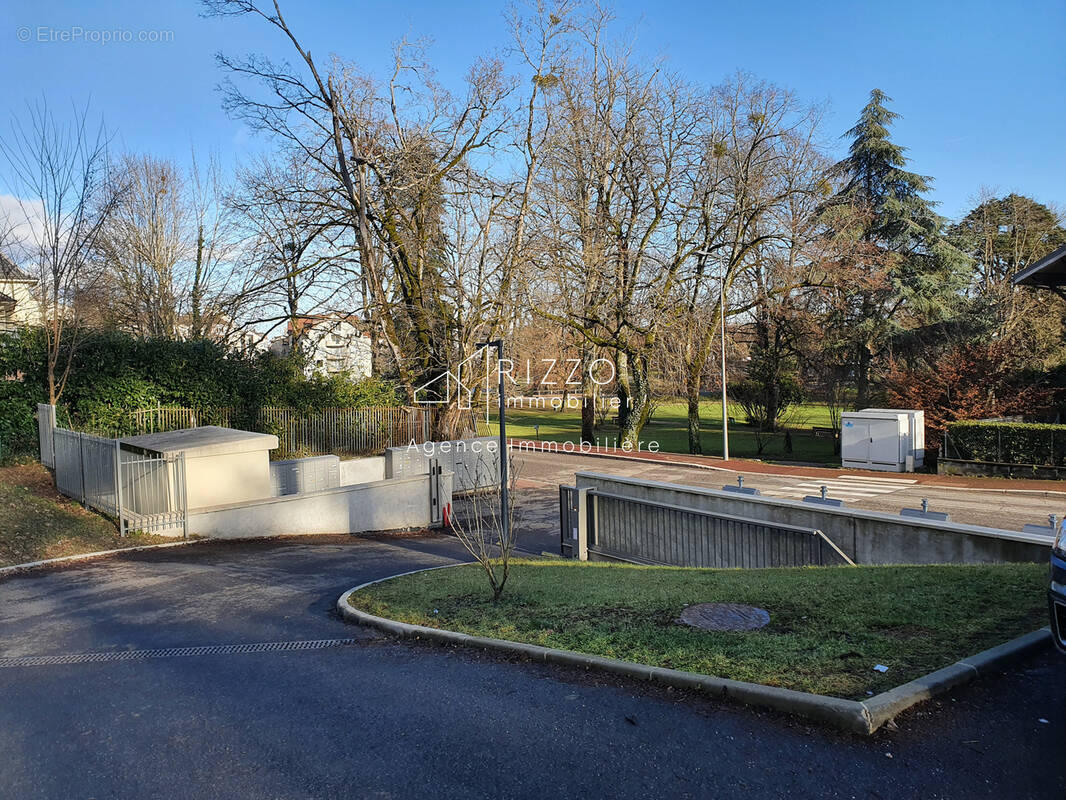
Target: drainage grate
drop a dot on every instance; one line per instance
(172, 652)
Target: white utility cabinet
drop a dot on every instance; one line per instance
(915, 446)
(878, 439)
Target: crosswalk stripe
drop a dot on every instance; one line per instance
(863, 486)
(799, 492)
(905, 481)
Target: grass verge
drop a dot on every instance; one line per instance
(669, 427)
(828, 626)
(36, 522)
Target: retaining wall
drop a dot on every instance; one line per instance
(867, 537)
(395, 504)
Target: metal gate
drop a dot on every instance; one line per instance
(436, 512)
(568, 521)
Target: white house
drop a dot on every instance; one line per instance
(18, 306)
(333, 344)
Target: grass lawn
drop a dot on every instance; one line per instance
(36, 522)
(669, 427)
(828, 626)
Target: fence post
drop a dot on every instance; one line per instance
(184, 499)
(583, 524)
(81, 463)
(118, 489)
(46, 425)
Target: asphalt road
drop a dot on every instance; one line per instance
(378, 718)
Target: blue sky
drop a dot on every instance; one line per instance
(980, 85)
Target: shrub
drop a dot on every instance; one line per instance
(1008, 442)
(765, 404)
(115, 373)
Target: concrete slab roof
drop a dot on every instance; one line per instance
(208, 440)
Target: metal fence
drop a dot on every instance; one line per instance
(345, 430)
(171, 418)
(85, 469)
(648, 532)
(143, 492)
(323, 431)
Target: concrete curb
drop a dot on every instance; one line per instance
(48, 562)
(863, 717)
(711, 467)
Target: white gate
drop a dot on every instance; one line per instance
(153, 493)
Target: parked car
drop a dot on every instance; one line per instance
(1057, 591)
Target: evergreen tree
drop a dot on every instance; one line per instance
(1002, 236)
(902, 273)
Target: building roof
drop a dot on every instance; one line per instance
(9, 272)
(301, 325)
(208, 440)
(1047, 272)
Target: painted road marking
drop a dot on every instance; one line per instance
(844, 487)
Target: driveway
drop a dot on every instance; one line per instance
(361, 715)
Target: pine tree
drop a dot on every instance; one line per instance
(903, 273)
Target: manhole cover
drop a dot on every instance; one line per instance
(725, 617)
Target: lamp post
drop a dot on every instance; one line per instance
(725, 402)
(505, 517)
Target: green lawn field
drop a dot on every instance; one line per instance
(669, 428)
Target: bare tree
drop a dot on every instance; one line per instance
(757, 210)
(167, 252)
(143, 244)
(479, 524)
(59, 174)
(396, 151)
(299, 252)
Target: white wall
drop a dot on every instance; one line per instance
(362, 470)
(395, 504)
(27, 309)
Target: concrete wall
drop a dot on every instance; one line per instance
(474, 462)
(379, 506)
(867, 537)
(230, 478)
(362, 470)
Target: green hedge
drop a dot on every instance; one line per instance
(115, 373)
(1007, 442)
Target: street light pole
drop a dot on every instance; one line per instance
(725, 400)
(725, 406)
(505, 517)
